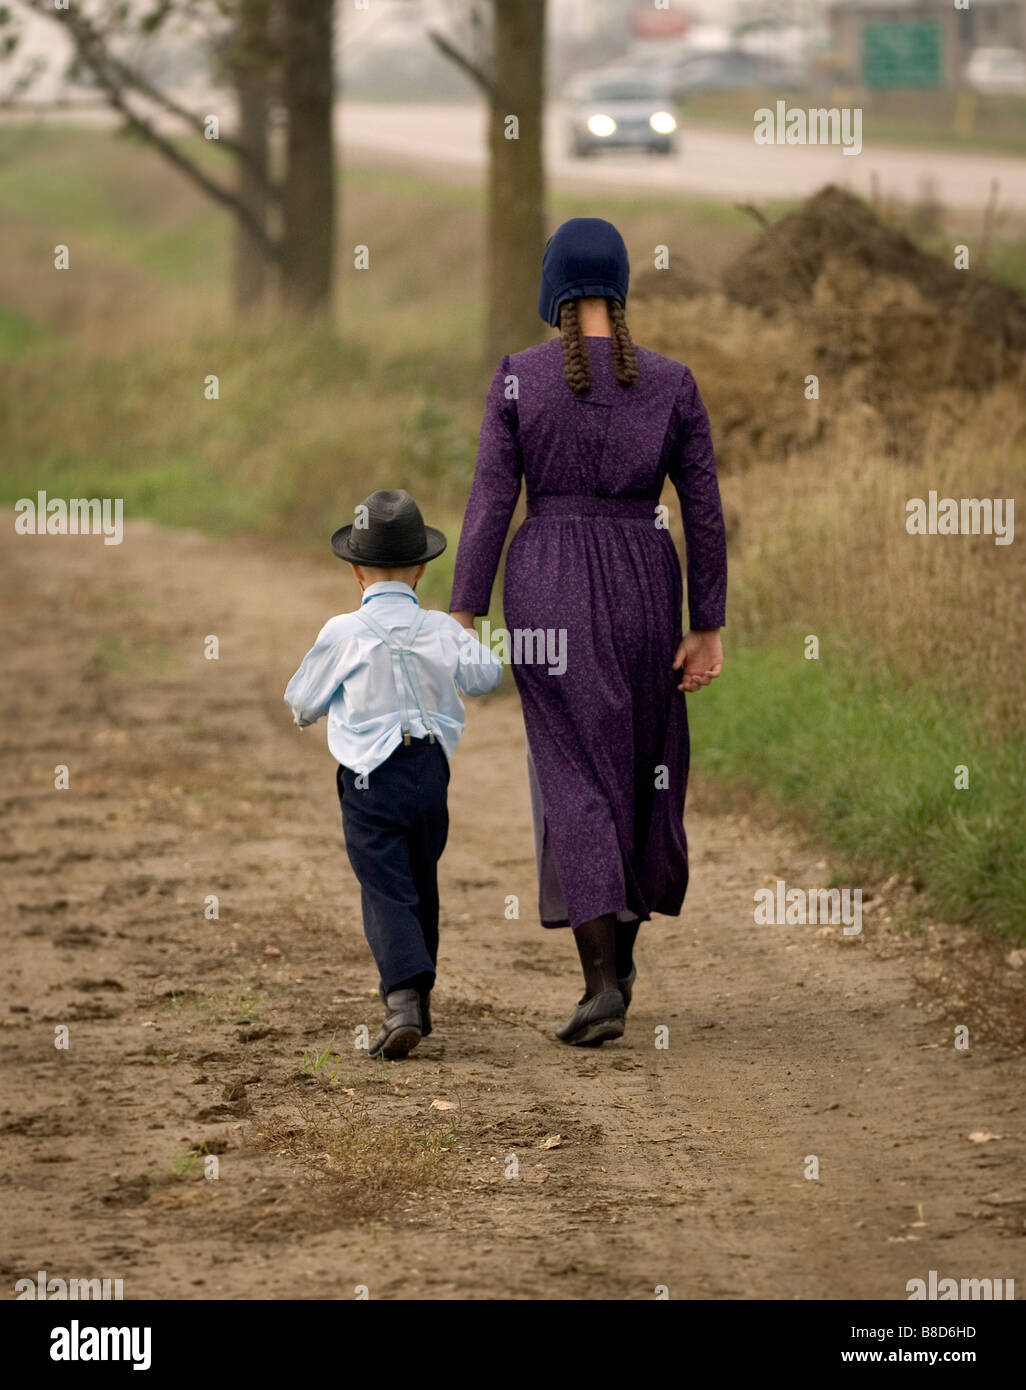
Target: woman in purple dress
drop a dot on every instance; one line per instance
(593, 425)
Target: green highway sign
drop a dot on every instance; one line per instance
(902, 54)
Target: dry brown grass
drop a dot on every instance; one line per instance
(821, 547)
(815, 494)
(371, 1161)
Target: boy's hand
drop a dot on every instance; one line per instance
(464, 619)
(700, 659)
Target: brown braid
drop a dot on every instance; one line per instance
(625, 359)
(576, 367)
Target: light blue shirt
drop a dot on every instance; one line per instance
(348, 675)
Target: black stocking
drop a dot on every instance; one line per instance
(626, 935)
(596, 946)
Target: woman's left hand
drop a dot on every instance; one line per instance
(700, 658)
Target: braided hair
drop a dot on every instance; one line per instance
(576, 367)
(625, 359)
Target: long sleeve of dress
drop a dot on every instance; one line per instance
(493, 497)
(692, 470)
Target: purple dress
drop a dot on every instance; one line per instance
(607, 739)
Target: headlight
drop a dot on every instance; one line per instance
(601, 126)
(662, 123)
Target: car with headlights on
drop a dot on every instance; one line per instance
(620, 111)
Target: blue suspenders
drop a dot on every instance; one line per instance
(401, 667)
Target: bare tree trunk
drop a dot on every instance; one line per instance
(516, 178)
(309, 192)
(250, 66)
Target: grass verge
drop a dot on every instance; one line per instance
(870, 768)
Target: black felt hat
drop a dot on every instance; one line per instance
(389, 532)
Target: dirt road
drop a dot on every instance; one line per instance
(680, 1166)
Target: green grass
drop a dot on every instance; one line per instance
(96, 192)
(20, 334)
(305, 427)
(315, 1062)
(188, 1164)
(1008, 263)
(869, 766)
(115, 655)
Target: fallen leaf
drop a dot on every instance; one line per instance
(443, 1105)
(1016, 959)
(981, 1136)
(552, 1141)
(271, 951)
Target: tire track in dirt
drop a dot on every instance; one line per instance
(680, 1167)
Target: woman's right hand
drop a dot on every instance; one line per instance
(465, 619)
(700, 658)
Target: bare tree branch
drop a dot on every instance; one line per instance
(461, 60)
(115, 79)
(271, 248)
(113, 74)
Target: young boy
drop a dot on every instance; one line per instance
(387, 676)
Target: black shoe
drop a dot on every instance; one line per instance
(626, 986)
(595, 1020)
(425, 1006)
(403, 1027)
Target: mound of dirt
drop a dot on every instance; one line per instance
(783, 265)
(903, 344)
(750, 370)
(873, 299)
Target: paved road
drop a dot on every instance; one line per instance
(725, 164)
(718, 163)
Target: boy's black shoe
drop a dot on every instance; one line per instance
(595, 1020)
(424, 991)
(402, 1029)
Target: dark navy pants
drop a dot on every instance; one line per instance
(395, 828)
